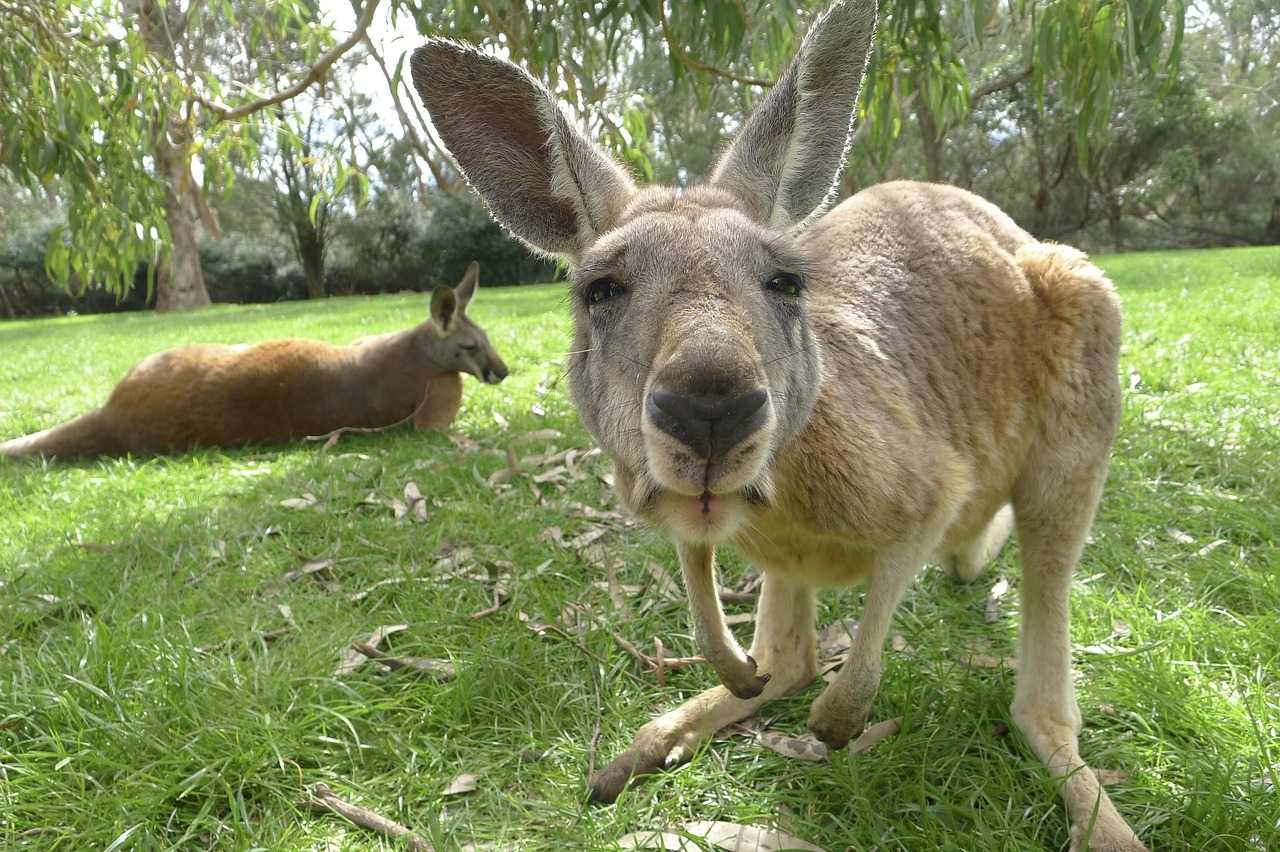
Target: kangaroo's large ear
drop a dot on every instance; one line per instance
(538, 174)
(785, 162)
(444, 305)
(465, 289)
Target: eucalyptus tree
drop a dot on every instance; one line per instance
(118, 105)
(934, 61)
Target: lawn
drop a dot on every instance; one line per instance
(165, 682)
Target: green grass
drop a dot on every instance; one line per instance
(112, 721)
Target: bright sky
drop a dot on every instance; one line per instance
(391, 41)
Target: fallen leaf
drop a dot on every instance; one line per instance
(353, 659)
(899, 644)
(356, 597)
(318, 568)
(537, 436)
(503, 423)
(874, 735)
(597, 556)
(1211, 547)
(581, 541)
(417, 503)
(1179, 536)
(557, 472)
(464, 783)
(306, 501)
(729, 836)
(537, 410)
(462, 442)
(662, 582)
(806, 747)
(998, 591)
(286, 612)
(837, 637)
(441, 670)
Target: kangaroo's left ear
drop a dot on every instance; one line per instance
(785, 162)
(444, 307)
(466, 288)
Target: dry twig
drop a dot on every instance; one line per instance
(324, 799)
(437, 669)
(658, 665)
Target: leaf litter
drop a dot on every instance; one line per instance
(728, 836)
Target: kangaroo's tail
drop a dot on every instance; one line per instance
(80, 437)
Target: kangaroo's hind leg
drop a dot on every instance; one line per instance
(1054, 510)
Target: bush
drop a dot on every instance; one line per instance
(394, 245)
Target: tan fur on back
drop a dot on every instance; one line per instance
(926, 412)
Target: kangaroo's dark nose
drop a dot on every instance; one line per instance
(710, 426)
(495, 372)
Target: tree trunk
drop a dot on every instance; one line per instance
(1115, 222)
(930, 142)
(1271, 234)
(179, 280)
(312, 253)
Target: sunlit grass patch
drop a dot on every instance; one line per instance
(138, 693)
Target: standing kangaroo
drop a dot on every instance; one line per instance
(283, 390)
(839, 397)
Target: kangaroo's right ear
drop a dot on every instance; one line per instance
(540, 177)
(465, 289)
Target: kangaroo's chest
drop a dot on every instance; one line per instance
(779, 545)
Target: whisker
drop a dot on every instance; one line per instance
(785, 357)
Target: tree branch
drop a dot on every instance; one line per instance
(999, 84)
(313, 75)
(688, 61)
(415, 141)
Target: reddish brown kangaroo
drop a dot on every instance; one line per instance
(231, 396)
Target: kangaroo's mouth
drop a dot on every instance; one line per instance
(709, 517)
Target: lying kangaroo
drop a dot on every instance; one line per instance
(283, 390)
(838, 397)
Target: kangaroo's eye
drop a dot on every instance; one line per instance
(603, 289)
(471, 347)
(784, 283)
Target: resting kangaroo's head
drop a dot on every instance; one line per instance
(451, 341)
(694, 362)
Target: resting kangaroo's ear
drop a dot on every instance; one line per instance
(444, 305)
(538, 174)
(785, 162)
(465, 289)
